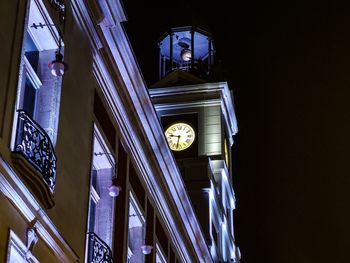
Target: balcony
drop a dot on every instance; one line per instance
(98, 251)
(34, 158)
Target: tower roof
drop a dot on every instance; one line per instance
(178, 78)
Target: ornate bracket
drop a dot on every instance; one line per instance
(59, 7)
(32, 239)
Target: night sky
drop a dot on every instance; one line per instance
(288, 64)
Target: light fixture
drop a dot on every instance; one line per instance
(58, 67)
(114, 190)
(186, 54)
(146, 249)
(185, 43)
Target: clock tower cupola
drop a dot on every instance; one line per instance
(188, 49)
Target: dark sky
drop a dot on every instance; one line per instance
(288, 63)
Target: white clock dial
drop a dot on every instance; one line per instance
(180, 136)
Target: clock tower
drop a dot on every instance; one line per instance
(197, 113)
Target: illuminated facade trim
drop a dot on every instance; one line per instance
(168, 166)
(161, 165)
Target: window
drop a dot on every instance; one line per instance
(38, 90)
(136, 231)
(101, 205)
(17, 252)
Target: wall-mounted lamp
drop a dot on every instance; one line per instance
(58, 67)
(186, 55)
(114, 189)
(146, 249)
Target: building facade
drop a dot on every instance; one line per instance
(86, 173)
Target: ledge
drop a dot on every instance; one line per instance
(14, 189)
(33, 179)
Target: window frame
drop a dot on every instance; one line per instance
(16, 243)
(160, 253)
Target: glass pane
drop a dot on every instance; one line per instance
(29, 98)
(92, 210)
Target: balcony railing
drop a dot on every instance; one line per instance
(35, 145)
(99, 251)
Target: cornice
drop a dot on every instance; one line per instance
(221, 88)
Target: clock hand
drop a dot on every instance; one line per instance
(178, 139)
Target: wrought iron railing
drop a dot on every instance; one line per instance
(99, 251)
(35, 145)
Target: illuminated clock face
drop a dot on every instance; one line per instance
(180, 136)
